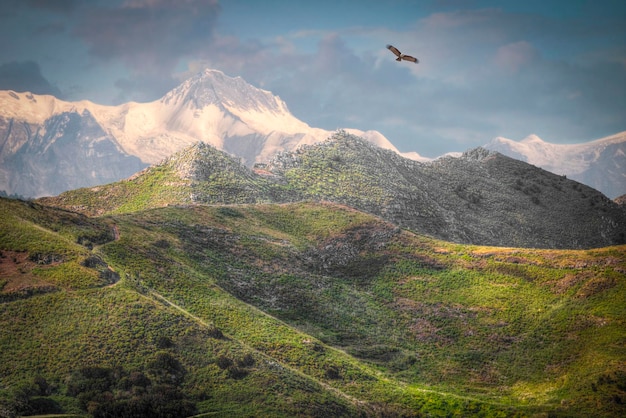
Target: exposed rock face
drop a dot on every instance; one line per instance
(69, 149)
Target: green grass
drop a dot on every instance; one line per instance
(156, 186)
(338, 312)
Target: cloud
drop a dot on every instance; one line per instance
(150, 37)
(25, 76)
(512, 57)
(493, 73)
(482, 73)
(57, 6)
(149, 34)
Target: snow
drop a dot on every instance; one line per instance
(567, 159)
(214, 108)
(412, 155)
(209, 107)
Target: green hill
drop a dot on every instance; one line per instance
(480, 198)
(299, 309)
(198, 174)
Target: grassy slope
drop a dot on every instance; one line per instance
(339, 311)
(83, 321)
(155, 186)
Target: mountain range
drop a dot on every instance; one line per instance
(313, 277)
(48, 146)
(481, 197)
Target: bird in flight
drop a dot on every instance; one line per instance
(400, 55)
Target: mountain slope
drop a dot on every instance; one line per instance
(600, 164)
(76, 331)
(481, 198)
(48, 158)
(225, 112)
(299, 310)
(198, 174)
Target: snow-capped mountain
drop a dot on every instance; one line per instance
(47, 147)
(600, 164)
(223, 111)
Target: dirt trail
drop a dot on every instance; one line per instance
(337, 391)
(116, 233)
(261, 353)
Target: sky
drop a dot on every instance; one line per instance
(511, 68)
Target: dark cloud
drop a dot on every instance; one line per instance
(142, 87)
(12, 8)
(52, 28)
(25, 76)
(58, 6)
(150, 38)
(149, 35)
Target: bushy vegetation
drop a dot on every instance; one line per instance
(478, 198)
(155, 186)
(302, 309)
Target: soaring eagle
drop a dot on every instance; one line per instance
(400, 55)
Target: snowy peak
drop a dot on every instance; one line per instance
(532, 140)
(213, 107)
(213, 87)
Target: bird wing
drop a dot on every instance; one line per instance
(410, 58)
(394, 50)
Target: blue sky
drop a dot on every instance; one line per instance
(554, 68)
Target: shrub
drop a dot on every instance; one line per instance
(246, 361)
(215, 333)
(332, 372)
(224, 362)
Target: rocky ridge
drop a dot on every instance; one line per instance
(481, 197)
